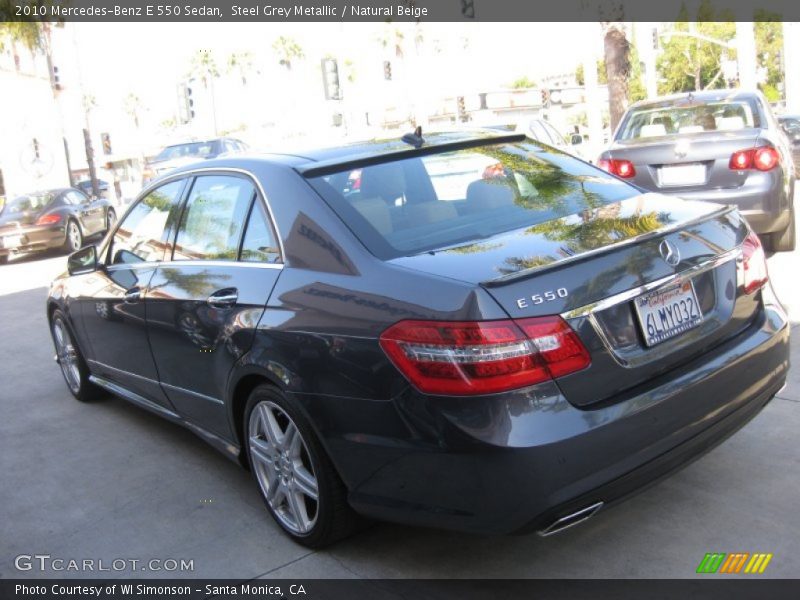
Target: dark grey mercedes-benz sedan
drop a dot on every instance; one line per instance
(721, 146)
(469, 331)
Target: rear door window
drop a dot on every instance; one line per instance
(213, 219)
(259, 243)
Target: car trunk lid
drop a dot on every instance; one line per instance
(590, 266)
(686, 163)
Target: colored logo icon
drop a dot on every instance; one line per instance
(734, 563)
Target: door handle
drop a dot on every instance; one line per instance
(132, 295)
(224, 298)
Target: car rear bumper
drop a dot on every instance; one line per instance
(763, 200)
(31, 239)
(522, 460)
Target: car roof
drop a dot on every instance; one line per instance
(702, 96)
(318, 160)
(323, 160)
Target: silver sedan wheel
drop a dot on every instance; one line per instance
(67, 356)
(283, 468)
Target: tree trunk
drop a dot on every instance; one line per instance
(87, 141)
(618, 66)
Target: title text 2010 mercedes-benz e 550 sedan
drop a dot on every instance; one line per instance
(470, 332)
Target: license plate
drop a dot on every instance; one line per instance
(665, 313)
(682, 175)
(11, 241)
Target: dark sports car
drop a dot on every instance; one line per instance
(59, 218)
(470, 331)
(719, 146)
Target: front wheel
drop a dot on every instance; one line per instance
(297, 481)
(69, 358)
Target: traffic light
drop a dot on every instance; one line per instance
(461, 108)
(546, 98)
(185, 102)
(56, 79)
(387, 70)
(330, 79)
(655, 38)
(189, 102)
(106, 140)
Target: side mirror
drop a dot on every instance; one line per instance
(82, 261)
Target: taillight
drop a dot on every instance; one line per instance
(620, 168)
(754, 264)
(48, 219)
(763, 158)
(483, 357)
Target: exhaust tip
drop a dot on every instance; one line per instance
(572, 519)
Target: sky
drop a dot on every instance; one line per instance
(116, 58)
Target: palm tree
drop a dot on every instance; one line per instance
(203, 66)
(287, 50)
(241, 63)
(618, 68)
(132, 104)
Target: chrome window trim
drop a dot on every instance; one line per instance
(627, 295)
(192, 172)
(220, 263)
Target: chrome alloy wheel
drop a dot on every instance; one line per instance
(67, 356)
(283, 468)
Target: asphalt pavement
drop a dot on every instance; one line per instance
(108, 481)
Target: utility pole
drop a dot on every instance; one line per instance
(746, 54)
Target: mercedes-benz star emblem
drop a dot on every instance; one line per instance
(670, 253)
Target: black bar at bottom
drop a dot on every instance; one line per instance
(708, 586)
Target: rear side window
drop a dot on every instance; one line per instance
(142, 234)
(259, 243)
(689, 116)
(431, 202)
(214, 217)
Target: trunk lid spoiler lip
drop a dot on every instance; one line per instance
(662, 231)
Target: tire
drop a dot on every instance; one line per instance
(70, 359)
(111, 219)
(74, 237)
(288, 475)
(3, 259)
(786, 240)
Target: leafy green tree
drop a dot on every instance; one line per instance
(602, 79)
(769, 51)
(523, 83)
(288, 50)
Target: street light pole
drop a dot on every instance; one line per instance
(746, 54)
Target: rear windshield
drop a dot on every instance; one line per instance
(191, 149)
(31, 202)
(690, 117)
(419, 204)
